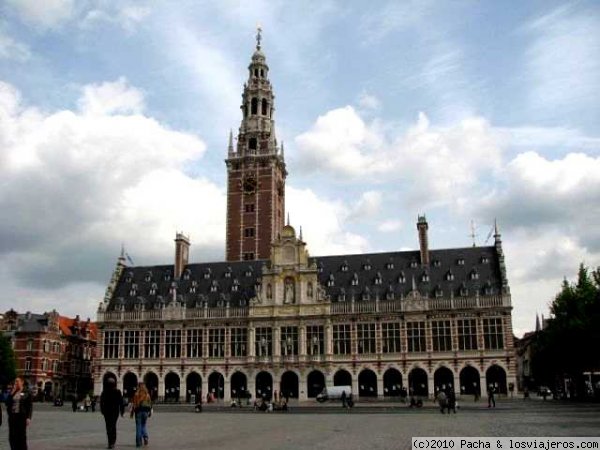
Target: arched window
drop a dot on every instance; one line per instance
(256, 73)
(254, 106)
(262, 73)
(265, 107)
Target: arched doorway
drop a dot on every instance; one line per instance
(367, 383)
(496, 376)
(172, 387)
(315, 383)
(193, 387)
(469, 381)
(417, 382)
(264, 385)
(130, 383)
(239, 386)
(216, 385)
(108, 376)
(151, 382)
(48, 391)
(392, 383)
(288, 386)
(443, 378)
(342, 378)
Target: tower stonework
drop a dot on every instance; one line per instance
(255, 171)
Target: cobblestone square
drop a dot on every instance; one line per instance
(378, 426)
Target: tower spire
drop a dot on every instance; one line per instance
(258, 36)
(230, 146)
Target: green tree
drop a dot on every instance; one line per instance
(8, 363)
(568, 345)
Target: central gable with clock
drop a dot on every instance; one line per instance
(255, 171)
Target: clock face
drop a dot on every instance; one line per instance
(249, 185)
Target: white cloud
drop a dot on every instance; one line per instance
(563, 61)
(367, 206)
(11, 49)
(127, 17)
(46, 13)
(368, 101)
(440, 164)
(111, 98)
(78, 185)
(389, 226)
(322, 223)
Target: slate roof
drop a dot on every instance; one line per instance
(362, 277)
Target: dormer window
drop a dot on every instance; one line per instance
(438, 291)
(220, 303)
(167, 276)
(460, 261)
(214, 286)
(129, 278)
(133, 290)
(389, 295)
(342, 295)
(192, 289)
(228, 272)
(248, 272)
(474, 275)
(413, 264)
(367, 265)
(234, 288)
(366, 295)
(425, 277)
(344, 267)
(401, 278)
(485, 260)
(207, 274)
(320, 268)
(488, 289)
(437, 263)
(152, 289)
(378, 279)
(463, 290)
(186, 274)
(354, 280)
(148, 276)
(331, 281)
(389, 265)
(243, 302)
(449, 276)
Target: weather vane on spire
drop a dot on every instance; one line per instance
(258, 36)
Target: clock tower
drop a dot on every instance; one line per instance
(255, 170)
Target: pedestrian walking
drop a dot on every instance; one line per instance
(111, 406)
(141, 408)
(19, 409)
(442, 400)
(344, 399)
(451, 400)
(491, 397)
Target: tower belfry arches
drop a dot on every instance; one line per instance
(256, 170)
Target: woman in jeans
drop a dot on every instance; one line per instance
(141, 407)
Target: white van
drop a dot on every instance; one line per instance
(333, 393)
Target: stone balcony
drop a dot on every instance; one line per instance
(376, 306)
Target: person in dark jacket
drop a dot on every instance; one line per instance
(111, 406)
(19, 409)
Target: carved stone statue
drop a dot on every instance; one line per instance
(288, 294)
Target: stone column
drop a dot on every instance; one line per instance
(430, 385)
(252, 385)
(354, 384)
(380, 392)
(227, 391)
(302, 340)
(276, 341)
(302, 388)
(228, 342)
(251, 339)
(328, 336)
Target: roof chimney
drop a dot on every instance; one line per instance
(182, 253)
(423, 240)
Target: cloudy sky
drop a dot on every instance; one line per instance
(114, 117)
